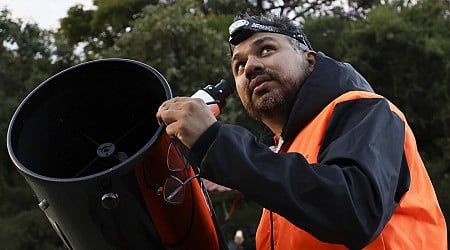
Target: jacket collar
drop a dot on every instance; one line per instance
(328, 80)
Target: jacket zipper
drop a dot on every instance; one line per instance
(278, 144)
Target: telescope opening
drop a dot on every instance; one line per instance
(87, 119)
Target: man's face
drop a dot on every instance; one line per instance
(268, 71)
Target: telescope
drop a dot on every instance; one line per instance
(88, 144)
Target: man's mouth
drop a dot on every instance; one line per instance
(259, 83)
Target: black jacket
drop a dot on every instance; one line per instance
(362, 172)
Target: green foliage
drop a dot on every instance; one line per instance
(405, 55)
(75, 27)
(99, 28)
(224, 7)
(219, 24)
(177, 41)
(323, 33)
(26, 59)
(118, 13)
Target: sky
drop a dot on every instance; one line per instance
(46, 13)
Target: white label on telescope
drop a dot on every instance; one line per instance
(207, 98)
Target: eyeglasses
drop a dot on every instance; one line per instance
(242, 29)
(178, 164)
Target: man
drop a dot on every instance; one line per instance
(237, 242)
(344, 172)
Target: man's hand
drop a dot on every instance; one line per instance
(186, 118)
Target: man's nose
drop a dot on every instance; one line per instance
(253, 66)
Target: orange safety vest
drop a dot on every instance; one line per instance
(417, 223)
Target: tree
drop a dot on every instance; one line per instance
(297, 9)
(99, 28)
(26, 59)
(325, 32)
(176, 41)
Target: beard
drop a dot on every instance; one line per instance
(276, 103)
(271, 104)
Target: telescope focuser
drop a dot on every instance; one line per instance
(214, 95)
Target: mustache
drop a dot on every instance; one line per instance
(269, 73)
(252, 78)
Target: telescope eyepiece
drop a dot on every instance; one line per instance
(219, 92)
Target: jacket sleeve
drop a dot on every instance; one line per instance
(346, 198)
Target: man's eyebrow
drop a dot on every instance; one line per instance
(264, 39)
(257, 42)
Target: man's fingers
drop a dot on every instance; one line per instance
(186, 118)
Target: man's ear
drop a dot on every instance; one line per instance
(311, 58)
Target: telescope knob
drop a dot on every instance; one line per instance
(43, 204)
(110, 200)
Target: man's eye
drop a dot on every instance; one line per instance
(266, 50)
(240, 66)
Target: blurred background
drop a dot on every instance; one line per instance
(401, 47)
